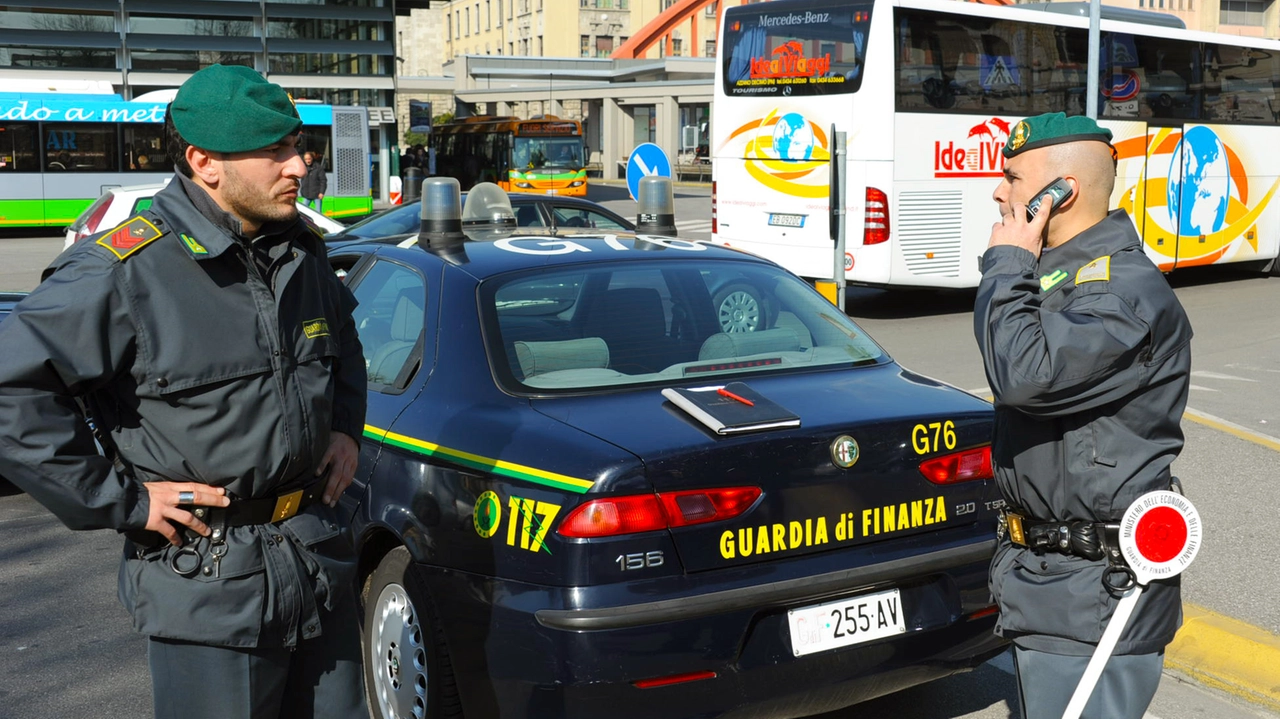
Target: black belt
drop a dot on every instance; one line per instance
(1089, 540)
(265, 510)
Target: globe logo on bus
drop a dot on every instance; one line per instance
(1201, 196)
(793, 138)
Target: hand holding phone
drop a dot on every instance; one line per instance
(1059, 189)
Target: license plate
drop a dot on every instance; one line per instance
(849, 621)
(553, 192)
(778, 220)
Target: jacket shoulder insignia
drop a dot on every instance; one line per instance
(128, 238)
(1097, 271)
(1051, 280)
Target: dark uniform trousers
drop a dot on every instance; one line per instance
(317, 679)
(1047, 681)
(1087, 352)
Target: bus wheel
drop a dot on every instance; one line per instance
(739, 308)
(406, 664)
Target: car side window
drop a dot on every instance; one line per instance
(568, 216)
(390, 321)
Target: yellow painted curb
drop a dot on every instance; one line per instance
(1227, 654)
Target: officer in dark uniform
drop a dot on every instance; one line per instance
(213, 351)
(1088, 354)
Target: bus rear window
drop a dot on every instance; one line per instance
(795, 48)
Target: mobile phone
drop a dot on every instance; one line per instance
(1060, 189)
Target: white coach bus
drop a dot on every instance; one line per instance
(928, 91)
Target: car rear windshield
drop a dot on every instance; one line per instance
(610, 325)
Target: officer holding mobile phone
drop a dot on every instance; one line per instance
(1088, 354)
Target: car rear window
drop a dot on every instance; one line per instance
(608, 325)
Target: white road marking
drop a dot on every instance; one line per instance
(1218, 375)
(1202, 389)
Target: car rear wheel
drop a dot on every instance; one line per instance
(738, 308)
(407, 669)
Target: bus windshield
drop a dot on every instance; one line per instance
(535, 152)
(817, 50)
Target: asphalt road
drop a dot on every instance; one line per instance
(67, 648)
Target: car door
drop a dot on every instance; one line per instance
(397, 333)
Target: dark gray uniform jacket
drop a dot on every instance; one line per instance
(1090, 379)
(200, 371)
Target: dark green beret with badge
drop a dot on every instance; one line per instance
(1053, 128)
(231, 108)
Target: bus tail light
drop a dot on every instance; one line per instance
(875, 227)
(612, 516)
(964, 466)
(715, 225)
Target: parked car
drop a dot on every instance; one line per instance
(542, 533)
(118, 203)
(532, 211)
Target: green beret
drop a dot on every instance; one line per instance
(231, 108)
(1053, 128)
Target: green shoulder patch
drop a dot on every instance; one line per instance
(1053, 279)
(1097, 271)
(195, 248)
(130, 237)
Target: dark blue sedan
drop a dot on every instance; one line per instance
(543, 533)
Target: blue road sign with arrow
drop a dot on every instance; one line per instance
(646, 159)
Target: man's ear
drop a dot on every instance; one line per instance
(204, 166)
(1075, 191)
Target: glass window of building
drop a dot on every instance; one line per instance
(79, 147)
(329, 63)
(1241, 12)
(18, 148)
(56, 20)
(185, 60)
(66, 58)
(325, 29)
(190, 25)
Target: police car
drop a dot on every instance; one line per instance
(543, 532)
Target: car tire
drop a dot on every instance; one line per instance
(406, 669)
(739, 308)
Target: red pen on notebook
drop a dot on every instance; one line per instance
(726, 393)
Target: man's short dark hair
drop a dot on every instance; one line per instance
(175, 146)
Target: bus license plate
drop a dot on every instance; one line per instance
(779, 220)
(553, 192)
(848, 621)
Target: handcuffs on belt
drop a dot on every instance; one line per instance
(178, 562)
(1088, 540)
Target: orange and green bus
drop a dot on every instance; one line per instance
(543, 155)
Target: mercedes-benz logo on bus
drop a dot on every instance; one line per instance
(844, 451)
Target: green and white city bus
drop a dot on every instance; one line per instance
(59, 152)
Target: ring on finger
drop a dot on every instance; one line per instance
(186, 499)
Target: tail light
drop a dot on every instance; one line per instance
(91, 224)
(964, 466)
(715, 224)
(612, 516)
(875, 225)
